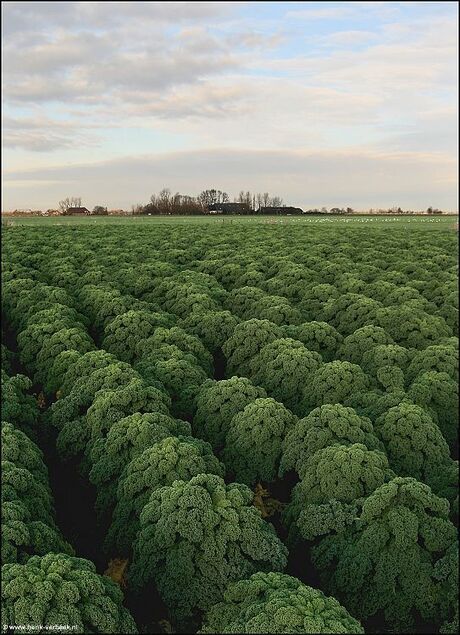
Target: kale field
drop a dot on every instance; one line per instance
(230, 425)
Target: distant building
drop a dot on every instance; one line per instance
(77, 211)
(280, 210)
(229, 208)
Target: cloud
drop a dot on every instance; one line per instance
(356, 178)
(21, 17)
(346, 38)
(346, 11)
(326, 13)
(42, 134)
(363, 82)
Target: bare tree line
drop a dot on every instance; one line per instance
(165, 202)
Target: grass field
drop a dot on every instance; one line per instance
(443, 222)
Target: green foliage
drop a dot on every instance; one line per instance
(59, 367)
(6, 359)
(84, 366)
(23, 535)
(18, 484)
(58, 589)
(385, 562)
(437, 393)
(66, 339)
(361, 341)
(446, 572)
(177, 337)
(351, 311)
(110, 376)
(41, 343)
(17, 448)
(440, 358)
(314, 520)
(217, 402)
(168, 460)
(253, 441)
(333, 383)
(413, 442)
(335, 473)
(196, 536)
(126, 439)
(247, 340)
(317, 336)
(18, 407)
(213, 328)
(277, 603)
(314, 300)
(387, 363)
(351, 329)
(283, 368)
(325, 426)
(123, 333)
(108, 407)
(180, 378)
(412, 328)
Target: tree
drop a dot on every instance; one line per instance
(98, 210)
(74, 201)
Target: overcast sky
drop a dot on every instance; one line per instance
(322, 103)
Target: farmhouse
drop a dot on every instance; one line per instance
(229, 208)
(77, 211)
(280, 210)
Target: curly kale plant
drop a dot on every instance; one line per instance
(196, 536)
(123, 333)
(412, 328)
(213, 328)
(248, 339)
(56, 590)
(177, 337)
(351, 311)
(181, 378)
(440, 358)
(333, 383)
(335, 473)
(387, 363)
(126, 439)
(385, 562)
(253, 441)
(277, 603)
(82, 367)
(283, 368)
(356, 344)
(217, 402)
(83, 391)
(28, 525)
(18, 449)
(437, 393)
(317, 336)
(18, 407)
(169, 460)
(413, 442)
(324, 426)
(18, 484)
(24, 536)
(109, 407)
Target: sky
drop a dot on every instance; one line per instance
(321, 103)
